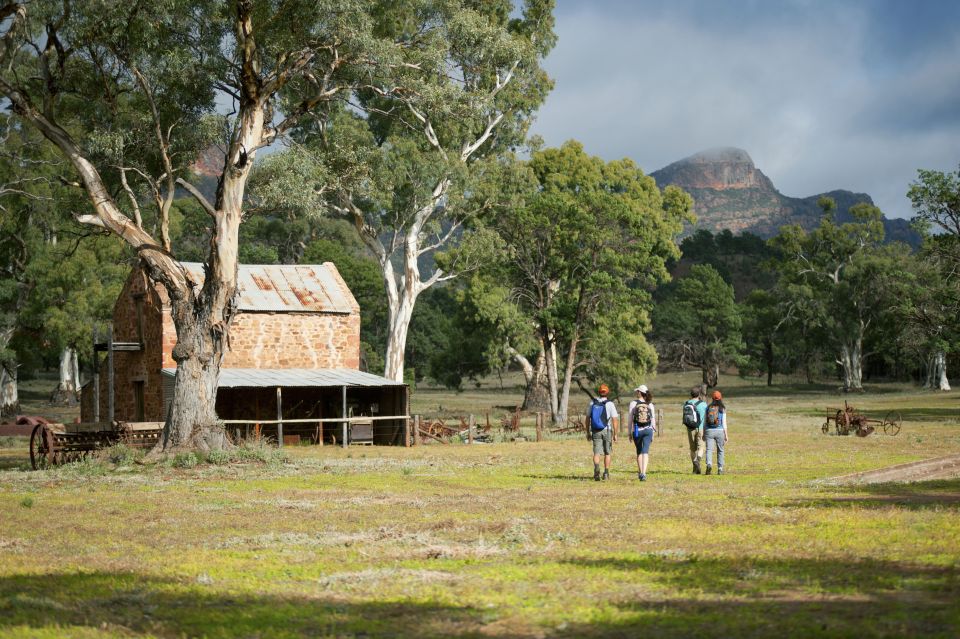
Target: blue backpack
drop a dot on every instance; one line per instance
(598, 415)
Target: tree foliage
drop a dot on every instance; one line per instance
(698, 324)
(416, 178)
(588, 244)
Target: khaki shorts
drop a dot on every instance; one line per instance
(603, 441)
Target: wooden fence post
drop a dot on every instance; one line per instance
(539, 427)
(416, 430)
(470, 429)
(406, 433)
(279, 418)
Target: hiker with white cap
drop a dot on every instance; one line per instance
(642, 417)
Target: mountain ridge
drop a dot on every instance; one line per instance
(731, 193)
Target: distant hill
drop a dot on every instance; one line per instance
(731, 193)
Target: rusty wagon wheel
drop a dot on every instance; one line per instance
(892, 423)
(825, 429)
(40, 456)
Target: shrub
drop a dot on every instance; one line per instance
(121, 454)
(26, 502)
(218, 457)
(259, 451)
(184, 460)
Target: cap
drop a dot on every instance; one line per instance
(603, 389)
(642, 388)
(717, 395)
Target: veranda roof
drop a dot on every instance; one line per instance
(295, 377)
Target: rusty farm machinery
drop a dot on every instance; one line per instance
(55, 444)
(848, 420)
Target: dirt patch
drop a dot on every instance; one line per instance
(925, 470)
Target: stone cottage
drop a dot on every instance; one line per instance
(294, 356)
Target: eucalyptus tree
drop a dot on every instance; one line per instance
(413, 171)
(589, 243)
(843, 267)
(698, 323)
(30, 225)
(130, 93)
(935, 197)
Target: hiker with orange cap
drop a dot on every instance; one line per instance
(603, 421)
(715, 430)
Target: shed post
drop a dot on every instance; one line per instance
(110, 381)
(470, 429)
(279, 418)
(96, 376)
(344, 415)
(406, 433)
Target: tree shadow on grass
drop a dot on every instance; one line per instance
(749, 597)
(823, 389)
(710, 597)
(921, 495)
(131, 604)
(14, 458)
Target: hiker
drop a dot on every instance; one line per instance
(642, 418)
(604, 421)
(694, 414)
(715, 430)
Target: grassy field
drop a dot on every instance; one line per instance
(502, 540)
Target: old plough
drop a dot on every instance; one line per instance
(54, 444)
(848, 420)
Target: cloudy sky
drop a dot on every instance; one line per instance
(823, 94)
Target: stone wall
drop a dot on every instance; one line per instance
(293, 340)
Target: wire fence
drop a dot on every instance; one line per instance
(414, 430)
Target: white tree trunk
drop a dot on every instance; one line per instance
(68, 389)
(851, 361)
(553, 383)
(9, 399)
(937, 372)
(564, 401)
(397, 339)
(69, 375)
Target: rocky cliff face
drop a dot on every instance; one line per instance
(731, 193)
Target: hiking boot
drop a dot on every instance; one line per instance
(596, 474)
(606, 475)
(643, 477)
(696, 467)
(709, 470)
(640, 476)
(719, 471)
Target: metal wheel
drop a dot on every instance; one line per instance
(39, 448)
(826, 427)
(840, 419)
(892, 423)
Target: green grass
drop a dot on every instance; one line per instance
(507, 539)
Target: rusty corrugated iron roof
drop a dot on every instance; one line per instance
(295, 377)
(298, 288)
